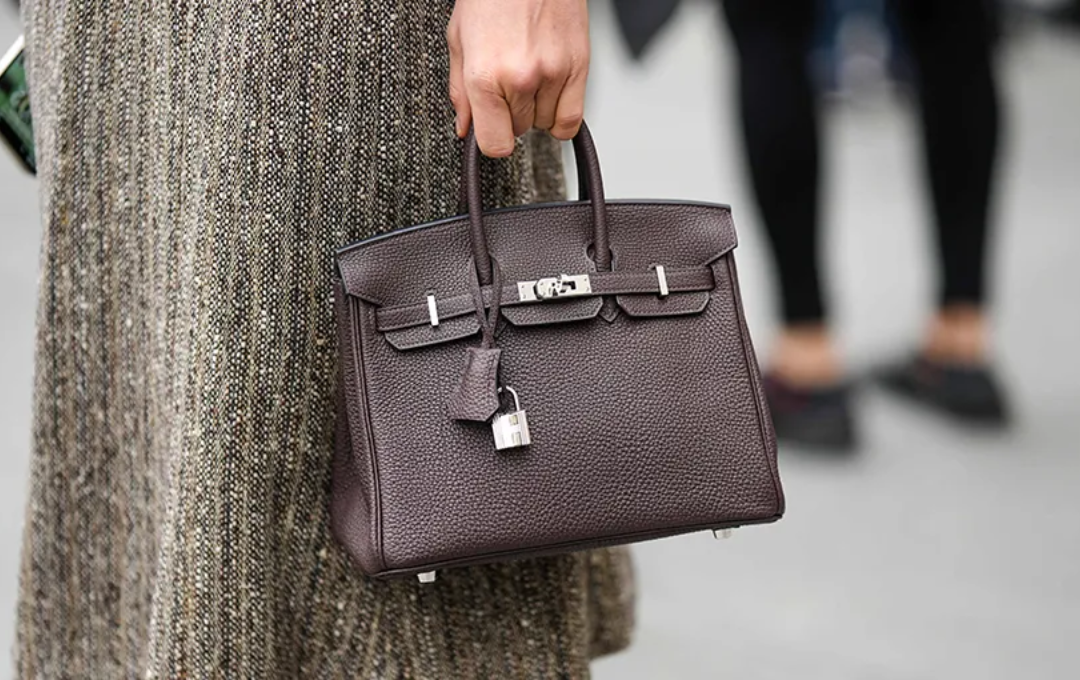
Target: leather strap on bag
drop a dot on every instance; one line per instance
(591, 187)
(679, 280)
(477, 394)
(582, 185)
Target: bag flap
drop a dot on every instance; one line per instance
(425, 335)
(677, 304)
(698, 235)
(399, 270)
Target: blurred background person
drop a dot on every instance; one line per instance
(949, 48)
(949, 45)
(1066, 14)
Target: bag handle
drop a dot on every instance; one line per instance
(591, 189)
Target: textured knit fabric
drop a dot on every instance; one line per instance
(200, 161)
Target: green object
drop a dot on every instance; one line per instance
(15, 121)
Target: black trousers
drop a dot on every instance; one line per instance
(950, 43)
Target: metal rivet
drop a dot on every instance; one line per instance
(661, 276)
(426, 577)
(432, 310)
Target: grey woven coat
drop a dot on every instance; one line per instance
(200, 161)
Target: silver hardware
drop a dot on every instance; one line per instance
(511, 429)
(661, 276)
(554, 287)
(426, 577)
(432, 310)
(721, 534)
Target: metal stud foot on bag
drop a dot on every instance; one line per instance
(721, 534)
(427, 577)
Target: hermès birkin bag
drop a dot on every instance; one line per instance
(544, 379)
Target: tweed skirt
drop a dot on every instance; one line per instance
(200, 160)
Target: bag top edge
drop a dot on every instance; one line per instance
(352, 247)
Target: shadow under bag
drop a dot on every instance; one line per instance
(544, 379)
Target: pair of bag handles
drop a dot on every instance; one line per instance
(590, 188)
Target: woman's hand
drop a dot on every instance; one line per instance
(516, 65)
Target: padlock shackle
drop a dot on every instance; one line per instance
(513, 393)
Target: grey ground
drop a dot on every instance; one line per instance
(936, 553)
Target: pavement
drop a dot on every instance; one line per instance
(934, 553)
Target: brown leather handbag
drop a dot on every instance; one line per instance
(544, 379)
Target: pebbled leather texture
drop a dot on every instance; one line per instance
(646, 424)
(477, 395)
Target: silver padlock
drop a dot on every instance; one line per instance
(511, 429)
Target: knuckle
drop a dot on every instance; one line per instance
(482, 80)
(568, 121)
(520, 78)
(555, 68)
(579, 61)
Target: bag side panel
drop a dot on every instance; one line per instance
(354, 511)
(768, 432)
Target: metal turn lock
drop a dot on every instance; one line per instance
(554, 287)
(511, 429)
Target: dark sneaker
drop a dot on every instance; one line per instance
(968, 393)
(818, 417)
